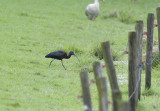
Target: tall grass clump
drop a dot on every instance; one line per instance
(97, 51)
(127, 17)
(113, 14)
(148, 92)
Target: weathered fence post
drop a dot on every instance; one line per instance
(116, 94)
(101, 86)
(158, 22)
(103, 94)
(97, 69)
(150, 26)
(132, 65)
(139, 31)
(85, 90)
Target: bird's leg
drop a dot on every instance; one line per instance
(94, 18)
(63, 65)
(51, 62)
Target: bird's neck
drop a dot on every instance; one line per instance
(96, 2)
(68, 56)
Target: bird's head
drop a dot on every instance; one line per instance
(47, 56)
(72, 53)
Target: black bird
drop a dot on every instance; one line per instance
(59, 55)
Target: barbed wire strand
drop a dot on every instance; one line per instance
(137, 82)
(141, 66)
(153, 58)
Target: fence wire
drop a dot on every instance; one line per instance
(122, 67)
(139, 74)
(139, 78)
(156, 56)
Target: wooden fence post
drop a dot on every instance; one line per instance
(97, 69)
(158, 22)
(85, 90)
(139, 31)
(116, 94)
(132, 65)
(150, 26)
(103, 99)
(101, 86)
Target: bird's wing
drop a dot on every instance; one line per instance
(92, 10)
(55, 54)
(58, 53)
(86, 12)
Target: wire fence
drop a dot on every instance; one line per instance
(122, 67)
(125, 67)
(136, 87)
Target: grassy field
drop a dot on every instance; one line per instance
(30, 29)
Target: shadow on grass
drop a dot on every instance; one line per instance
(16, 104)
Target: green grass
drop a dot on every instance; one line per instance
(30, 29)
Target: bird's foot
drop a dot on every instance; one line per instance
(94, 19)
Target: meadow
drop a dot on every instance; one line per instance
(30, 29)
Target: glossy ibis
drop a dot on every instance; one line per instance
(59, 55)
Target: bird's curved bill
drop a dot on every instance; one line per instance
(76, 57)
